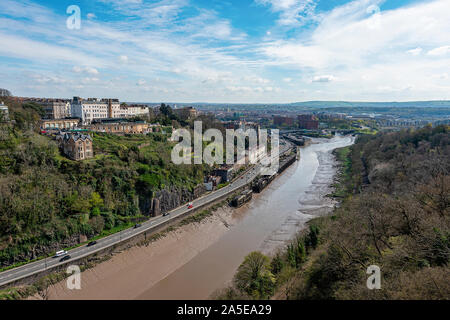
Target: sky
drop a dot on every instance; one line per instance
(227, 51)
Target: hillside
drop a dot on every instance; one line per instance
(48, 202)
(394, 213)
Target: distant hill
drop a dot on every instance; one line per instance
(409, 104)
(322, 104)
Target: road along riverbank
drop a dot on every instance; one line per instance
(195, 260)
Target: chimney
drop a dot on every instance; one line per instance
(110, 113)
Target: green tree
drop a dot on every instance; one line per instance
(254, 276)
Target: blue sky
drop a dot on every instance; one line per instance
(228, 51)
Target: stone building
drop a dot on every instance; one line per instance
(57, 108)
(76, 146)
(119, 126)
(54, 108)
(69, 123)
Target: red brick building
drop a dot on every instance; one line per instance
(280, 120)
(308, 121)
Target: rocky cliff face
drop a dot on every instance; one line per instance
(44, 249)
(168, 199)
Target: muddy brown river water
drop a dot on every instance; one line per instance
(267, 223)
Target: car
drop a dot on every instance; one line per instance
(190, 205)
(137, 225)
(65, 258)
(60, 253)
(92, 243)
(166, 214)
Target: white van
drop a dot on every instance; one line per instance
(60, 253)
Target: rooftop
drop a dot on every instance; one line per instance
(116, 120)
(66, 136)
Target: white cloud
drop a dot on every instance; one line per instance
(90, 79)
(364, 58)
(88, 70)
(255, 79)
(441, 51)
(415, 52)
(123, 59)
(324, 78)
(291, 12)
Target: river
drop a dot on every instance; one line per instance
(268, 222)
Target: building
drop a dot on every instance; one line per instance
(4, 93)
(234, 125)
(280, 120)
(186, 113)
(212, 182)
(4, 112)
(55, 108)
(121, 126)
(68, 123)
(308, 121)
(225, 172)
(76, 146)
(92, 109)
(136, 110)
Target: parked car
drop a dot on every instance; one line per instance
(166, 214)
(137, 225)
(60, 253)
(65, 258)
(92, 243)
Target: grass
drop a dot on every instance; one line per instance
(222, 185)
(342, 156)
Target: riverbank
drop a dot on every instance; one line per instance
(195, 260)
(381, 223)
(130, 272)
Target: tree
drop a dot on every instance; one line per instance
(254, 277)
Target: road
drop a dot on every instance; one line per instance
(109, 241)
